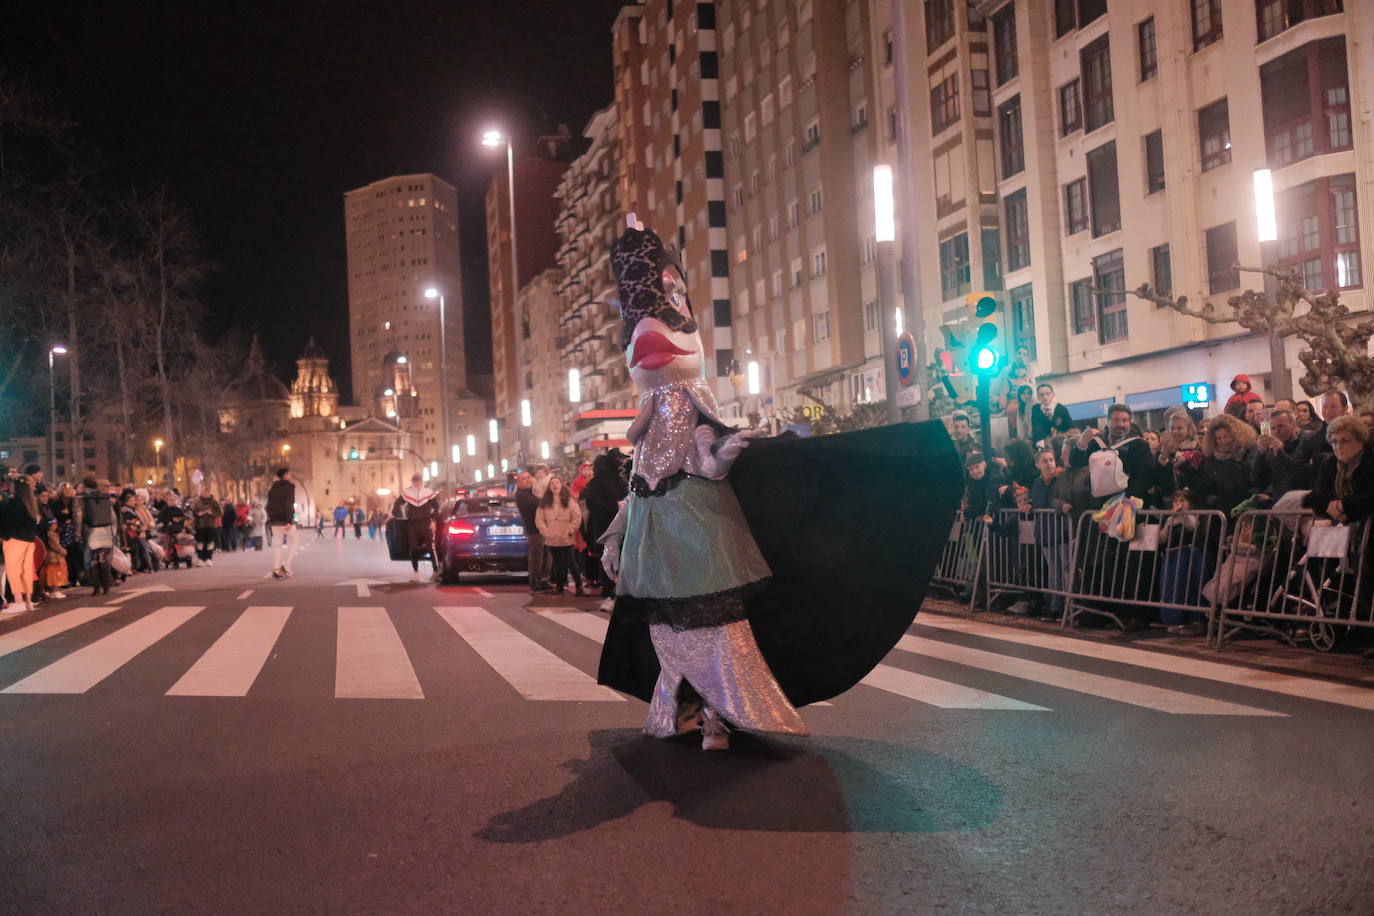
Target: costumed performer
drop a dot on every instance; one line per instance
(679, 547)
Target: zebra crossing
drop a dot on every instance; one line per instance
(372, 661)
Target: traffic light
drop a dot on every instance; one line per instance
(981, 305)
(353, 454)
(986, 358)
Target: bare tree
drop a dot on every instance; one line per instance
(1337, 353)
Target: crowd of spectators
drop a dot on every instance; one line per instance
(1249, 455)
(97, 535)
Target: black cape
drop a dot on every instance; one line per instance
(852, 526)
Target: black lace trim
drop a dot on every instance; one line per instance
(691, 613)
(640, 487)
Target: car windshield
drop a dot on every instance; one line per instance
(488, 506)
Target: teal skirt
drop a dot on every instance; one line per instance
(689, 553)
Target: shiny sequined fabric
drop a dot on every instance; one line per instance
(663, 432)
(723, 665)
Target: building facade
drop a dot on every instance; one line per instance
(402, 238)
(589, 332)
(537, 174)
(1061, 150)
(668, 115)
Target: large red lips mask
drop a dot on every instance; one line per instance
(654, 351)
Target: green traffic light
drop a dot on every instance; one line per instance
(985, 360)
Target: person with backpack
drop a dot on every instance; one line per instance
(1125, 463)
(98, 531)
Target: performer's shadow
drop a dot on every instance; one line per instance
(762, 783)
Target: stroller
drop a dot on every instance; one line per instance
(183, 549)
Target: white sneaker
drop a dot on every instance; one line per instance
(715, 734)
(607, 604)
(15, 608)
(57, 594)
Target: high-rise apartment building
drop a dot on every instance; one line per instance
(1061, 149)
(668, 107)
(402, 238)
(589, 338)
(537, 174)
(799, 124)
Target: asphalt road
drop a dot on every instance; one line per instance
(238, 744)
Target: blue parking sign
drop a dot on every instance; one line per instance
(906, 358)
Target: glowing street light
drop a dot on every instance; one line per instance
(544, 450)
(472, 445)
(493, 431)
(575, 386)
(434, 469)
(1266, 220)
(752, 374)
(505, 465)
(477, 476)
(491, 470)
(525, 413)
(456, 452)
(884, 204)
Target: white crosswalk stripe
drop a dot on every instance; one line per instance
(88, 666)
(231, 665)
(1098, 685)
(372, 663)
(61, 623)
(939, 693)
(535, 672)
(1256, 678)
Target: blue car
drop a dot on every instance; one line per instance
(483, 534)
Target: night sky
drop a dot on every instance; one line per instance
(261, 115)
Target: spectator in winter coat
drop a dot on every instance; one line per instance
(1048, 418)
(1124, 436)
(1315, 446)
(19, 521)
(207, 513)
(1235, 405)
(1344, 491)
(1180, 454)
(1228, 474)
(558, 518)
(602, 496)
(1306, 416)
(1279, 471)
(528, 504)
(982, 491)
(961, 431)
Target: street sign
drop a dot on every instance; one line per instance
(906, 360)
(908, 397)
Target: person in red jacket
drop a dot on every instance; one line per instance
(1235, 405)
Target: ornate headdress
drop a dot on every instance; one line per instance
(640, 261)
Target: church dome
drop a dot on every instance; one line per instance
(313, 351)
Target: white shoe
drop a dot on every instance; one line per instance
(57, 594)
(28, 604)
(415, 576)
(715, 734)
(209, 562)
(286, 572)
(15, 608)
(607, 604)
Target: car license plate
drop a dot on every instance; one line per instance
(505, 530)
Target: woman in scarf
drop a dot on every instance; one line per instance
(1229, 473)
(1344, 491)
(1178, 457)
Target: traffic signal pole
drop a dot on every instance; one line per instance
(984, 391)
(887, 284)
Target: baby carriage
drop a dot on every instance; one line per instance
(183, 549)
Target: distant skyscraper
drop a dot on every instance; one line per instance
(402, 236)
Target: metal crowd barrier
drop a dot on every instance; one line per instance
(961, 561)
(1030, 552)
(1291, 576)
(1165, 566)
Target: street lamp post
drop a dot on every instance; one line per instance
(495, 138)
(433, 293)
(157, 451)
(56, 350)
(884, 217)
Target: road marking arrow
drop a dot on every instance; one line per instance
(134, 593)
(362, 586)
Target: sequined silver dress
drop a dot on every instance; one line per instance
(687, 561)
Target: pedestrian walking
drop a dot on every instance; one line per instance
(281, 522)
(230, 525)
(358, 516)
(257, 524)
(340, 520)
(418, 505)
(19, 528)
